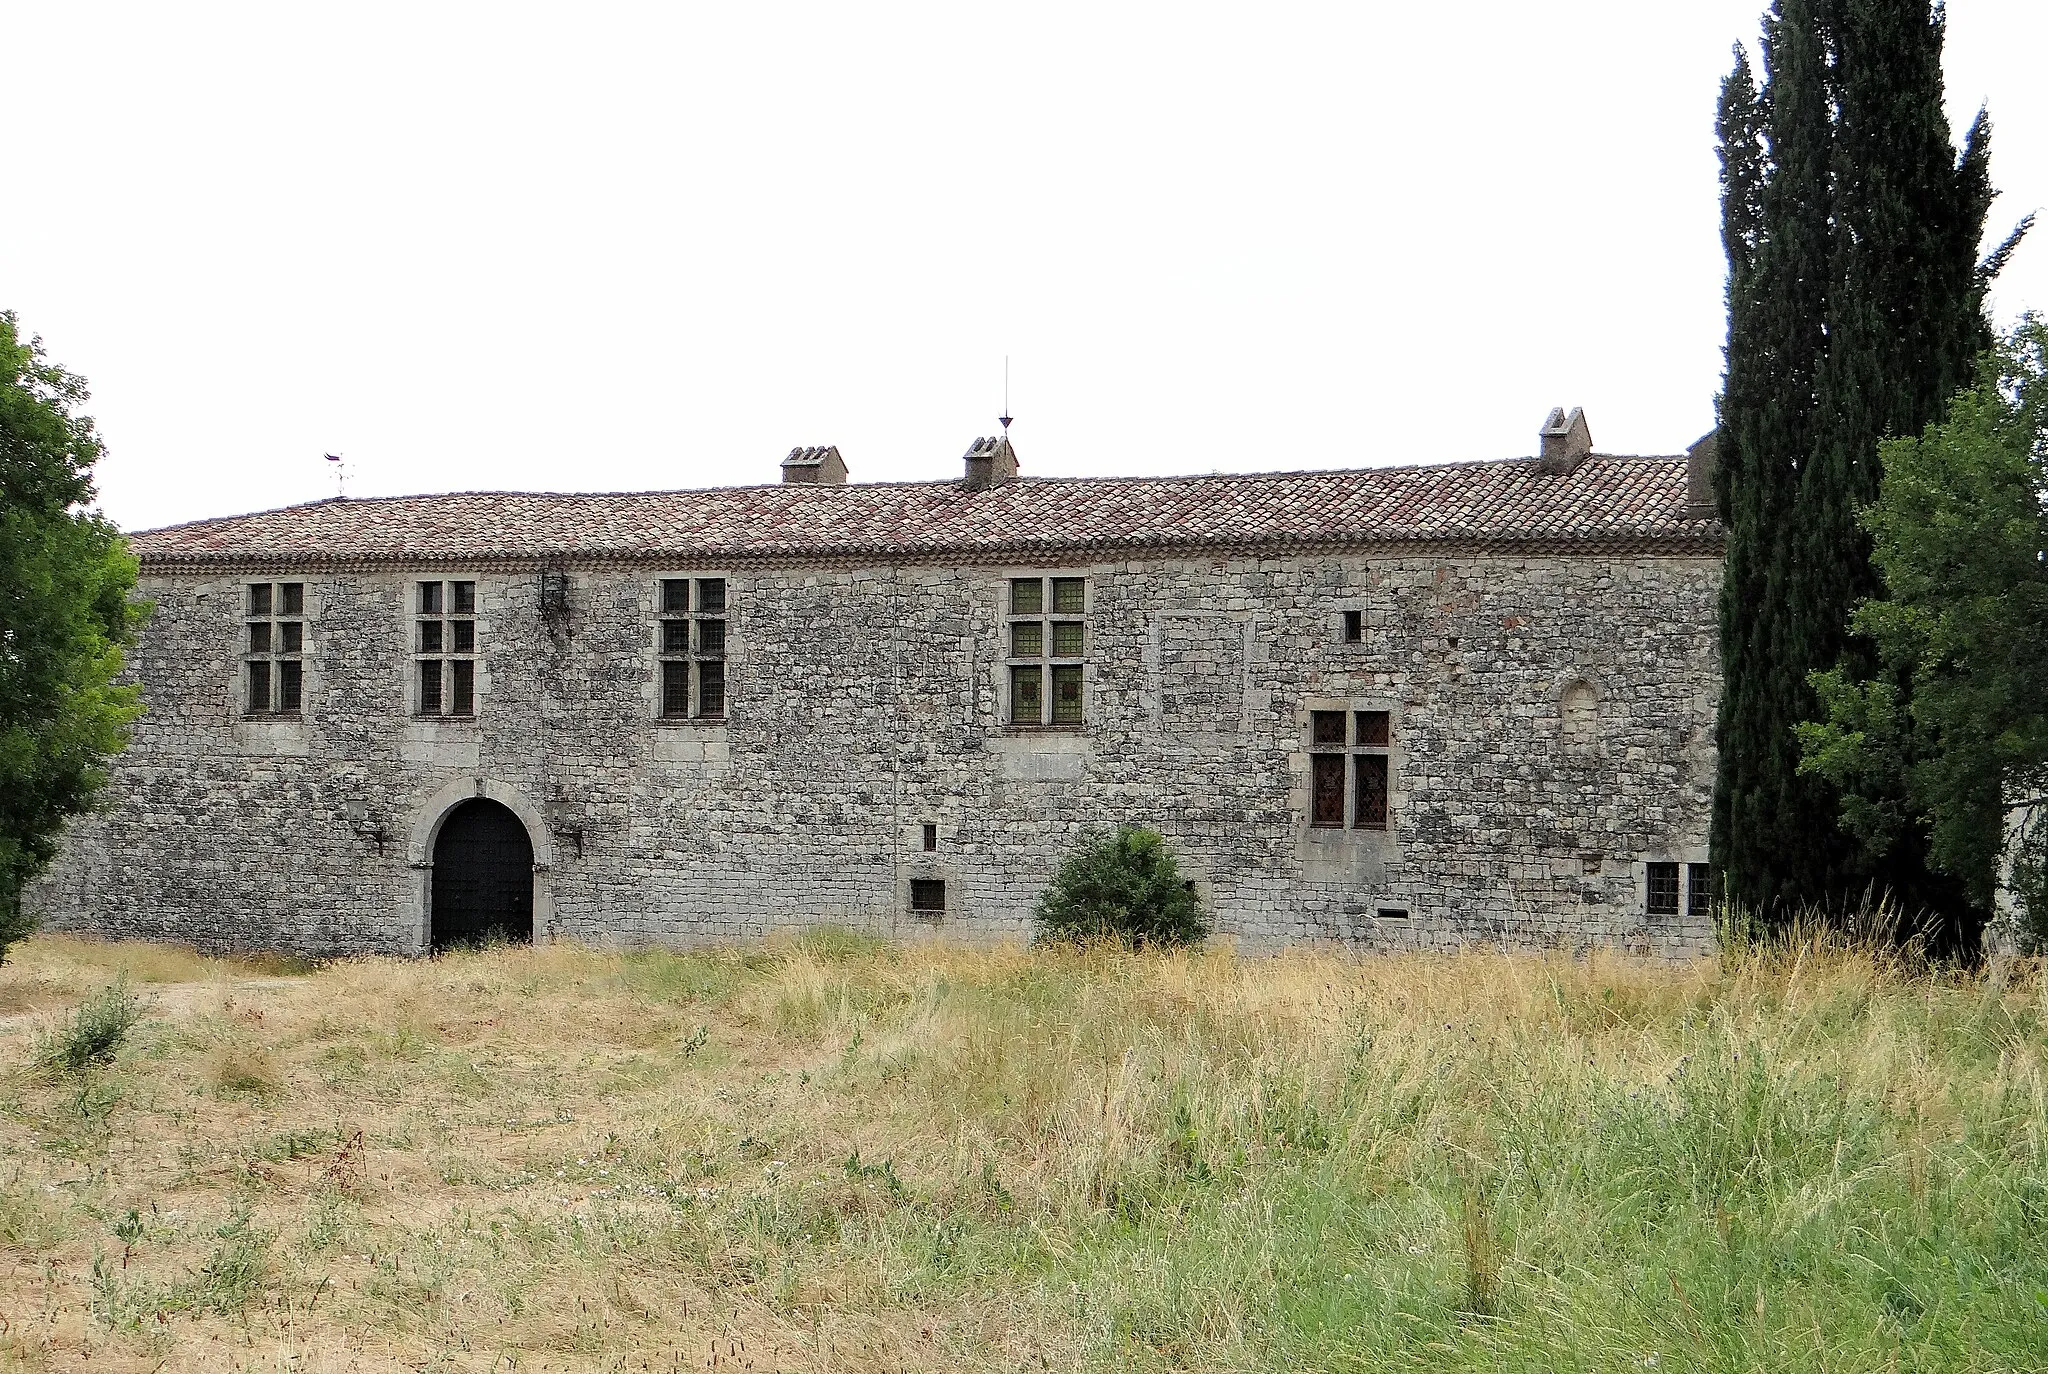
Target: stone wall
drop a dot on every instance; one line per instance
(866, 703)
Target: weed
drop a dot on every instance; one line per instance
(246, 1071)
(92, 1035)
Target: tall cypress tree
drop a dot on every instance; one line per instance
(1855, 310)
(1768, 837)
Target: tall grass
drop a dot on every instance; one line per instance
(847, 1155)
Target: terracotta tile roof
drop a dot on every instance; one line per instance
(1611, 503)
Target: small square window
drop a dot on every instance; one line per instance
(675, 636)
(1661, 889)
(1374, 729)
(259, 637)
(711, 638)
(1326, 727)
(463, 595)
(1069, 595)
(290, 683)
(259, 598)
(463, 670)
(675, 596)
(931, 838)
(928, 895)
(259, 687)
(465, 635)
(1027, 700)
(1354, 627)
(430, 598)
(711, 594)
(1066, 695)
(430, 636)
(1027, 639)
(675, 688)
(1326, 784)
(1027, 596)
(1066, 639)
(711, 689)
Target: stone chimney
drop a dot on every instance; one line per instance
(1566, 442)
(1700, 461)
(821, 467)
(990, 463)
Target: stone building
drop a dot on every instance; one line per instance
(1402, 706)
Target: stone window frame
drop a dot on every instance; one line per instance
(1356, 746)
(1689, 864)
(1048, 660)
(285, 621)
(693, 655)
(445, 645)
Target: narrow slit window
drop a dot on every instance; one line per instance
(1354, 627)
(931, 838)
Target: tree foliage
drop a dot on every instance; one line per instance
(1953, 724)
(65, 617)
(1121, 885)
(1855, 311)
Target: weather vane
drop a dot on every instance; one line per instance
(340, 477)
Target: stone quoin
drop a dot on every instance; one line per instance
(1391, 707)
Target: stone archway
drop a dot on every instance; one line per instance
(483, 877)
(427, 821)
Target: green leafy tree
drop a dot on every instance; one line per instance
(1953, 724)
(1121, 885)
(1855, 311)
(65, 617)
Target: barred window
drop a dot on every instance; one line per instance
(1699, 889)
(692, 648)
(1047, 648)
(1661, 889)
(274, 648)
(1353, 744)
(444, 649)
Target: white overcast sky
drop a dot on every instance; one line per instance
(600, 247)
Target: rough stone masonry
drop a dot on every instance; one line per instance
(1390, 707)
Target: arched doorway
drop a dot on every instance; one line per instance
(483, 877)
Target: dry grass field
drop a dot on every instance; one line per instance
(828, 1154)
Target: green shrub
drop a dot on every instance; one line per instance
(1122, 886)
(94, 1033)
